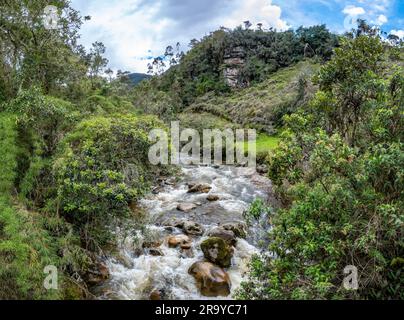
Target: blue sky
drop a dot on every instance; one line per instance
(134, 30)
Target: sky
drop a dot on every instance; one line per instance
(136, 30)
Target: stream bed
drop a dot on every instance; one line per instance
(163, 270)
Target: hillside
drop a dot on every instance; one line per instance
(138, 77)
(262, 105)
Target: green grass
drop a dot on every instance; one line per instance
(264, 143)
(256, 105)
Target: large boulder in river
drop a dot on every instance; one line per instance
(211, 280)
(217, 251)
(192, 228)
(186, 206)
(181, 240)
(239, 229)
(226, 235)
(199, 187)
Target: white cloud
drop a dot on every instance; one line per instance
(133, 30)
(256, 11)
(381, 19)
(353, 10)
(399, 33)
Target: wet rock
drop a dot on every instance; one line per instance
(186, 206)
(151, 244)
(170, 181)
(217, 251)
(239, 229)
(97, 274)
(157, 294)
(155, 252)
(199, 187)
(212, 197)
(226, 235)
(187, 253)
(262, 169)
(192, 228)
(157, 190)
(181, 240)
(173, 222)
(211, 280)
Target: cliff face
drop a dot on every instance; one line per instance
(234, 61)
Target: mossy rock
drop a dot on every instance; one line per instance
(217, 251)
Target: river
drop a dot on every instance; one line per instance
(135, 275)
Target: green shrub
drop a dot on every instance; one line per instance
(103, 168)
(339, 173)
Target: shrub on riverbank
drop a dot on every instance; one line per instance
(339, 173)
(102, 168)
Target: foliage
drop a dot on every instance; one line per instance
(256, 210)
(262, 106)
(102, 169)
(339, 173)
(264, 51)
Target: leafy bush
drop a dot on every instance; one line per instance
(103, 168)
(339, 173)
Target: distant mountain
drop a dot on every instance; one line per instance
(137, 77)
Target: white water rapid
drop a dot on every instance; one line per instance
(135, 276)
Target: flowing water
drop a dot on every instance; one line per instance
(134, 276)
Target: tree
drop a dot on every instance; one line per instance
(32, 53)
(109, 72)
(96, 60)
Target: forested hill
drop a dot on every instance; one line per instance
(138, 77)
(238, 58)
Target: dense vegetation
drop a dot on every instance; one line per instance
(339, 174)
(263, 52)
(74, 142)
(74, 153)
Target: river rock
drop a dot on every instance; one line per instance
(157, 294)
(187, 253)
(98, 274)
(226, 235)
(151, 244)
(192, 228)
(186, 206)
(217, 251)
(199, 187)
(155, 252)
(211, 280)
(263, 169)
(181, 240)
(212, 197)
(239, 229)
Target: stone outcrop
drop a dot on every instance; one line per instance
(217, 251)
(226, 235)
(211, 280)
(239, 229)
(199, 187)
(186, 207)
(192, 228)
(234, 61)
(181, 240)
